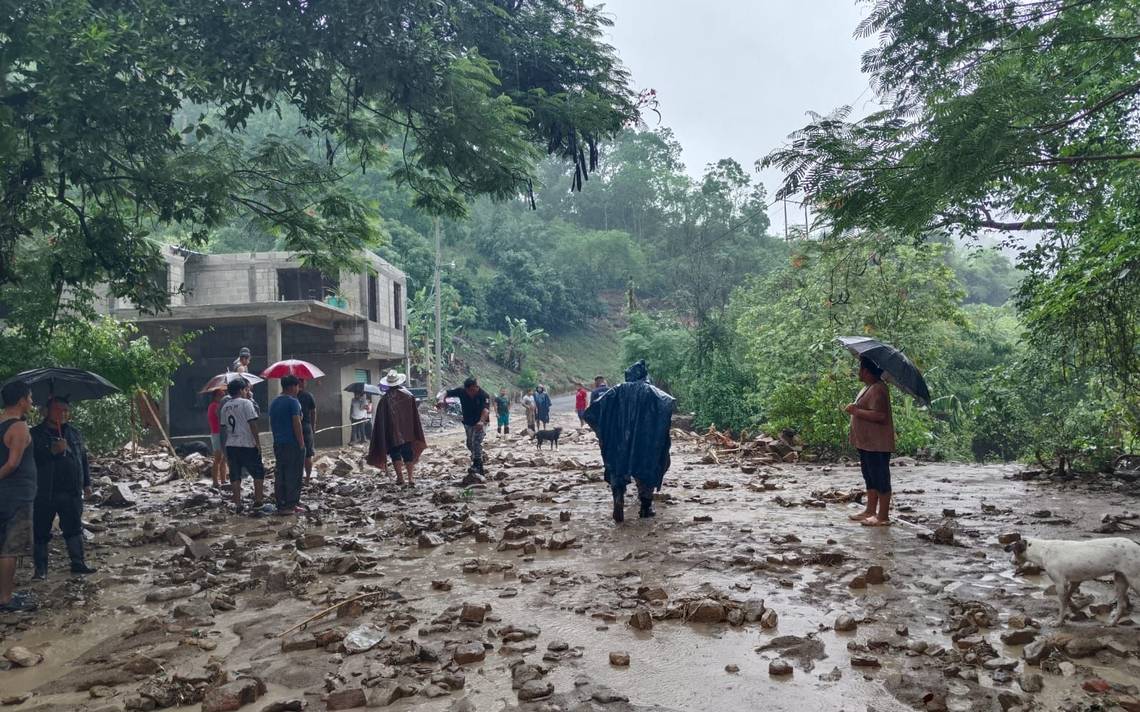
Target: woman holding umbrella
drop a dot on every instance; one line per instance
(873, 435)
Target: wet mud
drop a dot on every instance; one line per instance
(750, 589)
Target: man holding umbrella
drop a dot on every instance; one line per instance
(64, 479)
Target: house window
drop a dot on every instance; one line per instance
(398, 305)
(362, 375)
(372, 298)
(303, 284)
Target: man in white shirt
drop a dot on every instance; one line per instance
(243, 451)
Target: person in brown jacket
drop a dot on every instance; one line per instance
(397, 432)
(873, 435)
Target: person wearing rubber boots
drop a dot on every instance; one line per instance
(632, 424)
(64, 478)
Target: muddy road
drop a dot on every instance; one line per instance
(749, 590)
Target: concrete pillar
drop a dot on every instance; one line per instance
(273, 352)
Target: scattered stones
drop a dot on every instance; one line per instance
(859, 581)
(619, 658)
(427, 540)
(875, 575)
(1008, 538)
(1083, 647)
(1031, 683)
(22, 657)
(120, 495)
(473, 614)
(705, 610)
(233, 695)
(346, 699)
(641, 620)
(779, 668)
(732, 668)
(469, 653)
(535, 690)
(769, 619)
(845, 624)
(1021, 636)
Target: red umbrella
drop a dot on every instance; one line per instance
(293, 367)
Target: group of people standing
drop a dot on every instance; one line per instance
(233, 416)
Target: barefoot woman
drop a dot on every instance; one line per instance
(873, 435)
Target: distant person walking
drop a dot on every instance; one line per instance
(241, 363)
(476, 405)
(17, 493)
(64, 477)
(288, 446)
(503, 412)
(243, 452)
(397, 432)
(308, 426)
(581, 402)
(542, 408)
(873, 435)
(217, 447)
(528, 405)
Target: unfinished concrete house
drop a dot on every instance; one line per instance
(351, 326)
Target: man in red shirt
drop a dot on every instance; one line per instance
(219, 469)
(581, 396)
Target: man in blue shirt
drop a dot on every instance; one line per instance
(288, 446)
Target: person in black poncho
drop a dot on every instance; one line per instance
(632, 423)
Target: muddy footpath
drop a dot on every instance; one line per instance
(750, 590)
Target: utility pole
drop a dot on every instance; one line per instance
(438, 310)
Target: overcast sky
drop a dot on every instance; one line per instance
(735, 77)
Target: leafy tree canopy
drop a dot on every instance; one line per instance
(470, 92)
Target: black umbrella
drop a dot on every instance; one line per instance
(71, 383)
(897, 368)
(359, 388)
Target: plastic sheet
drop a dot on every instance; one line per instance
(632, 424)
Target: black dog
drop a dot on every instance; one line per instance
(550, 436)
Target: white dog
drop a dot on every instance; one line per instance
(1067, 563)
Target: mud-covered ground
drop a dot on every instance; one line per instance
(521, 593)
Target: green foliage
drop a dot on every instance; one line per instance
(512, 348)
(1015, 116)
(455, 318)
(1035, 409)
(99, 154)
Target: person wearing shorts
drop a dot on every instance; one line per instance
(243, 450)
(398, 433)
(503, 412)
(18, 485)
(219, 469)
(873, 435)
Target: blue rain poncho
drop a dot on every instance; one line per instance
(632, 423)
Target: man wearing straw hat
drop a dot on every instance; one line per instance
(397, 432)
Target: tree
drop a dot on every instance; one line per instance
(455, 317)
(469, 92)
(512, 348)
(1015, 116)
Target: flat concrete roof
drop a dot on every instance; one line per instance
(310, 312)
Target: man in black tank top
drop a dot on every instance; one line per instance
(17, 492)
